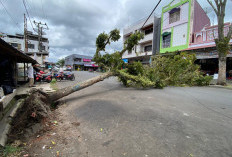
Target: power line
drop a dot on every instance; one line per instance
(151, 13)
(10, 15)
(27, 13)
(42, 9)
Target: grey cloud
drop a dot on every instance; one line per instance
(75, 24)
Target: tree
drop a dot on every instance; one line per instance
(112, 62)
(222, 42)
(61, 62)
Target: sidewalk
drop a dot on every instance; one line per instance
(228, 86)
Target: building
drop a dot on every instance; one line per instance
(179, 20)
(80, 62)
(147, 46)
(35, 49)
(9, 59)
(186, 27)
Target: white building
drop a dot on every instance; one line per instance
(18, 42)
(147, 46)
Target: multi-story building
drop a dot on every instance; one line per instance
(186, 27)
(179, 20)
(147, 46)
(80, 62)
(35, 49)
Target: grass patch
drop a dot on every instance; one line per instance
(54, 85)
(10, 151)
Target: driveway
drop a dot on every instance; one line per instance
(173, 122)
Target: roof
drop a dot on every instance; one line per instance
(8, 50)
(80, 56)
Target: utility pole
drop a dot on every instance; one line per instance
(40, 33)
(25, 35)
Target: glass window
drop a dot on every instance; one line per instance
(148, 48)
(31, 46)
(77, 59)
(148, 31)
(166, 41)
(14, 45)
(174, 16)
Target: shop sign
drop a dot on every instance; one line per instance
(86, 60)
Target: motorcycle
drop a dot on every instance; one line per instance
(64, 76)
(42, 77)
(69, 76)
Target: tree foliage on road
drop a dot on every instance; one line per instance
(222, 42)
(171, 70)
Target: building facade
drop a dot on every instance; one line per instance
(35, 49)
(186, 27)
(80, 62)
(147, 46)
(179, 20)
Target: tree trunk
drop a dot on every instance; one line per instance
(68, 90)
(222, 71)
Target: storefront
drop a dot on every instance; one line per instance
(90, 67)
(209, 62)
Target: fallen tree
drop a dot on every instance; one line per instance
(175, 70)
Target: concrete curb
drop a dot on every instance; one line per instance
(219, 86)
(8, 120)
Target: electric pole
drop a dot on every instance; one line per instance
(40, 28)
(25, 35)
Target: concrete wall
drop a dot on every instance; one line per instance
(156, 36)
(200, 18)
(180, 35)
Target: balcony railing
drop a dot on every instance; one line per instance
(208, 34)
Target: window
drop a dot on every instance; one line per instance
(148, 48)
(15, 45)
(174, 15)
(31, 46)
(77, 59)
(166, 40)
(129, 52)
(42, 48)
(148, 31)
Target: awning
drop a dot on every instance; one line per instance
(166, 33)
(9, 51)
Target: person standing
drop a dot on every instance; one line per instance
(31, 75)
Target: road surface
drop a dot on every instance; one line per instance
(116, 121)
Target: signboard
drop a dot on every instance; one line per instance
(125, 60)
(86, 60)
(90, 65)
(215, 76)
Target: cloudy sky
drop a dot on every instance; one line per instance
(75, 24)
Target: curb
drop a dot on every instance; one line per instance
(4, 135)
(219, 86)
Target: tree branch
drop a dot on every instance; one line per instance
(216, 11)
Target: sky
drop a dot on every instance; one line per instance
(75, 24)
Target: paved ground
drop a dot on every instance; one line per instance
(174, 122)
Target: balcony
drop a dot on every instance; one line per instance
(205, 38)
(147, 38)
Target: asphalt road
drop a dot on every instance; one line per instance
(172, 122)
